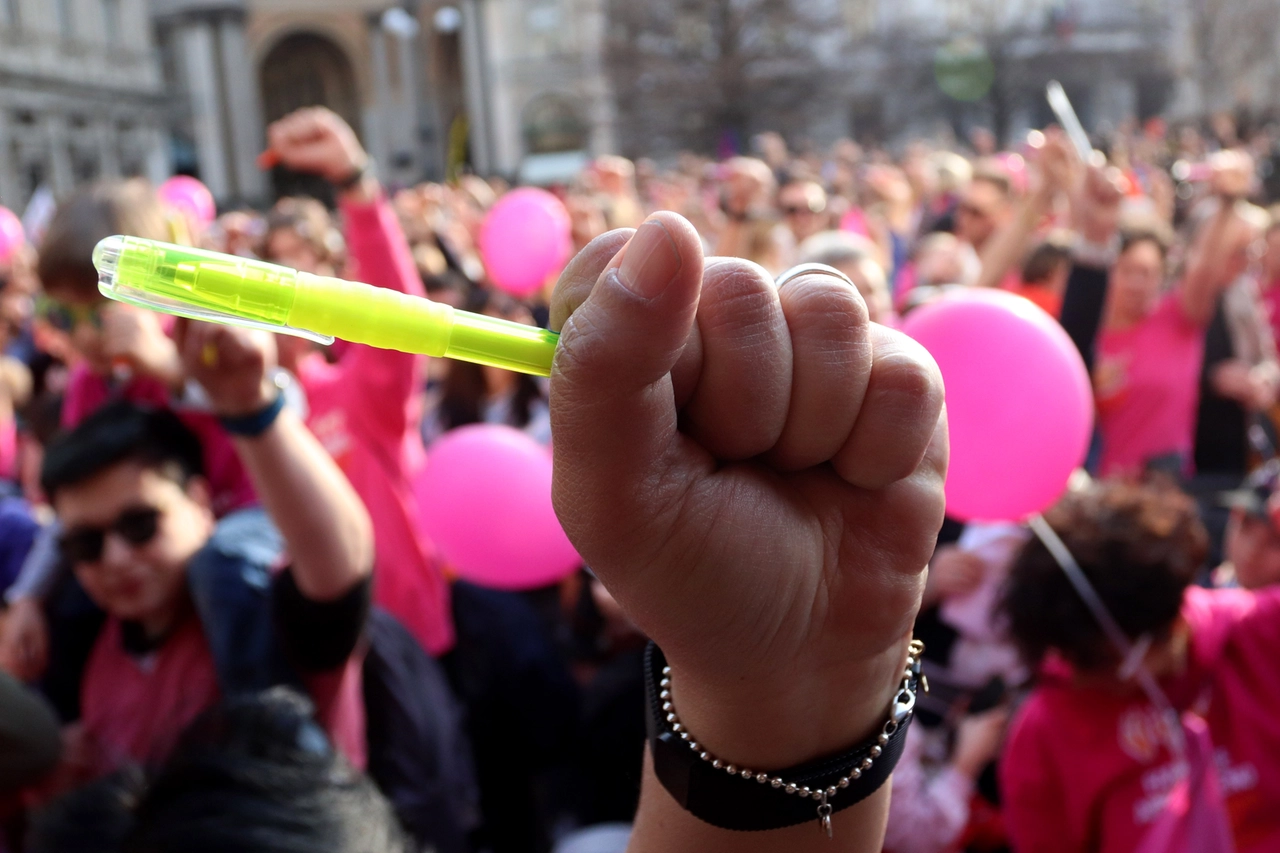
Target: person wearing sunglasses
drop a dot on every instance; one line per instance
(804, 209)
(985, 206)
(130, 492)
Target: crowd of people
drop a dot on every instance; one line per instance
(224, 628)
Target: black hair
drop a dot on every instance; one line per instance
(95, 818)
(464, 389)
(1046, 258)
(1139, 546)
(256, 774)
(118, 432)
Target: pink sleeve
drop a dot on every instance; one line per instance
(385, 380)
(78, 402)
(1033, 802)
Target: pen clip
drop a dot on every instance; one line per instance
(152, 302)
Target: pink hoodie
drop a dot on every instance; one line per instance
(1087, 770)
(365, 410)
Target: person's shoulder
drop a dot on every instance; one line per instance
(1220, 617)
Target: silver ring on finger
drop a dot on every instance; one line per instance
(812, 269)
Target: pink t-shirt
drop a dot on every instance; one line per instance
(229, 482)
(1147, 387)
(1088, 770)
(1271, 300)
(366, 410)
(135, 709)
(9, 449)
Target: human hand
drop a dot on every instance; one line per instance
(232, 364)
(1096, 205)
(1250, 387)
(756, 475)
(134, 337)
(1233, 174)
(24, 640)
(318, 141)
(978, 741)
(1056, 166)
(953, 572)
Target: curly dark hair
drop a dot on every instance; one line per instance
(1140, 547)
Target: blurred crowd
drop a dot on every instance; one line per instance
(164, 682)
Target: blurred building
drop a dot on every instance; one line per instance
(920, 66)
(80, 95)
(537, 94)
(427, 85)
(235, 65)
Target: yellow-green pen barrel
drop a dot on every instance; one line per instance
(392, 320)
(370, 315)
(218, 288)
(502, 343)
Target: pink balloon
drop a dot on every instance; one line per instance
(12, 235)
(526, 237)
(186, 194)
(1019, 402)
(485, 498)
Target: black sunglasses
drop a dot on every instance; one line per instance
(137, 526)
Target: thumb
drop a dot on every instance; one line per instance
(613, 410)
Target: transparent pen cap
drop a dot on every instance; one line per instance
(199, 284)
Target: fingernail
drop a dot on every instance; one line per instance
(651, 262)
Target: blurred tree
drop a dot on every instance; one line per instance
(704, 74)
(1234, 43)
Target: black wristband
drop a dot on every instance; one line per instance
(254, 425)
(736, 799)
(357, 175)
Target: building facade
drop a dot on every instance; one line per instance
(921, 67)
(81, 95)
(426, 85)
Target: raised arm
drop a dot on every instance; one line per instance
(324, 523)
(1219, 252)
(755, 472)
(1008, 246)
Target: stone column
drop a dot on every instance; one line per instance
(108, 149)
(196, 49)
(244, 107)
(475, 72)
(377, 120)
(8, 180)
(408, 105)
(61, 176)
(159, 165)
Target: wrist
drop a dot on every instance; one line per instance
(350, 178)
(254, 424)
(787, 718)
(248, 403)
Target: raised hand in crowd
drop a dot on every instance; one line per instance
(135, 339)
(324, 523)
(756, 474)
(317, 141)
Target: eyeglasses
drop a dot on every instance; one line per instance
(64, 317)
(137, 526)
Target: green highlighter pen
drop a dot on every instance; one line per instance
(228, 289)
